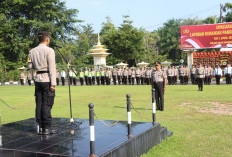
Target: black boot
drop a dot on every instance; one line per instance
(49, 131)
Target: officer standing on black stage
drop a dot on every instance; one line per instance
(159, 83)
(42, 59)
(200, 75)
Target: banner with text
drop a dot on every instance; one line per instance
(206, 36)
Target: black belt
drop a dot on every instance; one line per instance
(42, 72)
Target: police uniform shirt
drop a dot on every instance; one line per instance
(108, 73)
(200, 72)
(125, 73)
(193, 71)
(147, 73)
(170, 72)
(228, 70)
(57, 74)
(29, 77)
(175, 72)
(218, 71)
(133, 74)
(70, 73)
(115, 72)
(138, 73)
(42, 58)
(119, 72)
(22, 76)
(206, 71)
(158, 76)
(129, 72)
(181, 71)
(63, 74)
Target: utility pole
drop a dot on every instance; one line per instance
(221, 18)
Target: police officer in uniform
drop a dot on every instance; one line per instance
(114, 74)
(42, 59)
(159, 83)
(193, 74)
(90, 77)
(138, 73)
(119, 74)
(93, 76)
(86, 73)
(129, 76)
(206, 75)
(22, 78)
(200, 75)
(63, 75)
(74, 76)
(210, 70)
(29, 77)
(102, 77)
(218, 74)
(125, 76)
(181, 74)
(81, 76)
(228, 72)
(57, 77)
(133, 76)
(170, 75)
(98, 76)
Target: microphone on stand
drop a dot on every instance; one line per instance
(55, 45)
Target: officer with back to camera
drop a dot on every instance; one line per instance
(158, 82)
(42, 59)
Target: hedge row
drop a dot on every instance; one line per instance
(13, 75)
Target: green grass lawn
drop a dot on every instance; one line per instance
(201, 121)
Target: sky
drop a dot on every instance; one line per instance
(148, 14)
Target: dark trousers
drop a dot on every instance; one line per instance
(114, 79)
(209, 80)
(218, 77)
(137, 80)
(119, 80)
(29, 82)
(141, 80)
(98, 80)
(169, 80)
(63, 81)
(86, 80)
(82, 80)
(175, 79)
(107, 80)
(228, 78)
(193, 78)
(70, 80)
(186, 79)
(181, 79)
(133, 80)
(147, 81)
(200, 83)
(44, 102)
(102, 80)
(57, 81)
(74, 81)
(89, 80)
(129, 79)
(93, 80)
(159, 95)
(22, 81)
(206, 80)
(125, 80)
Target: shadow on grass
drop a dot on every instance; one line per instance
(133, 108)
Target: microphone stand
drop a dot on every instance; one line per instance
(70, 101)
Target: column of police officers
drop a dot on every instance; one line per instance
(142, 76)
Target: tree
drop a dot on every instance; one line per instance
(126, 42)
(21, 20)
(228, 10)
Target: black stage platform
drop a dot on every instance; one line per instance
(19, 139)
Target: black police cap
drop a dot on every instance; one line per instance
(157, 63)
(43, 34)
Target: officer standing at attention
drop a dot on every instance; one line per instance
(98, 77)
(206, 75)
(74, 76)
(119, 74)
(42, 59)
(200, 75)
(102, 77)
(137, 72)
(22, 78)
(86, 76)
(133, 77)
(210, 70)
(158, 82)
(57, 77)
(70, 74)
(29, 77)
(114, 73)
(228, 72)
(129, 76)
(181, 74)
(63, 75)
(193, 74)
(81, 76)
(93, 76)
(170, 75)
(218, 74)
(90, 77)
